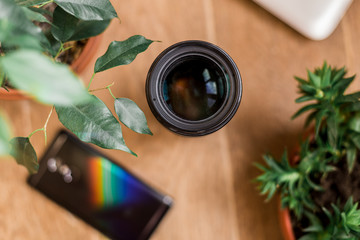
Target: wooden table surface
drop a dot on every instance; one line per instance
(209, 177)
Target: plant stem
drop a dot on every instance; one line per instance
(41, 5)
(108, 87)
(60, 50)
(46, 123)
(37, 130)
(103, 88)
(44, 128)
(91, 79)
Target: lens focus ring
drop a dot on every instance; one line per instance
(193, 88)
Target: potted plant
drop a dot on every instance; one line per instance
(29, 62)
(319, 186)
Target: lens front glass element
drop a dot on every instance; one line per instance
(195, 89)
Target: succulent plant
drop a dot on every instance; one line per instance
(334, 136)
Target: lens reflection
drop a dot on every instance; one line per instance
(195, 89)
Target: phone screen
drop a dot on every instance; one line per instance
(98, 190)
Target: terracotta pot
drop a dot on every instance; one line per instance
(284, 213)
(77, 66)
(285, 222)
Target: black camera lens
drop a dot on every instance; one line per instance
(193, 88)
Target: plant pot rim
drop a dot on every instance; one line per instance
(284, 213)
(285, 221)
(78, 66)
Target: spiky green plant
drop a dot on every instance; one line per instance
(294, 182)
(343, 224)
(335, 114)
(334, 121)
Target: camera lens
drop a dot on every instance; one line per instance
(193, 88)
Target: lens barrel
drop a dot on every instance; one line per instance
(193, 88)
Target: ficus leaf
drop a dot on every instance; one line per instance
(94, 123)
(87, 29)
(64, 25)
(15, 25)
(47, 81)
(29, 3)
(88, 9)
(5, 135)
(122, 52)
(131, 115)
(24, 153)
(34, 16)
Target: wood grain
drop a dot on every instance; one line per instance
(209, 177)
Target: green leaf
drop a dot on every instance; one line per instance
(87, 29)
(308, 89)
(131, 115)
(314, 79)
(300, 80)
(306, 108)
(354, 123)
(350, 158)
(332, 131)
(63, 25)
(5, 135)
(24, 153)
(326, 77)
(356, 140)
(89, 9)
(34, 16)
(343, 84)
(39, 76)
(122, 53)
(29, 3)
(353, 107)
(337, 75)
(350, 98)
(2, 77)
(10, 39)
(94, 123)
(14, 25)
(318, 121)
(304, 99)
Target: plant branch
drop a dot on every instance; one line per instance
(91, 79)
(103, 88)
(37, 130)
(41, 5)
(108, 87)
(46, 123)
(60, 50)
(43, 128)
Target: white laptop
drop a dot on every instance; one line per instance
(315, 19)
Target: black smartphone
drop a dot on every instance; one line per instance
(98, 190)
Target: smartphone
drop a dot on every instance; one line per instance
(98, 190)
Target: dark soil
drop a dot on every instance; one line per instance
(338, 186)
(70, 55)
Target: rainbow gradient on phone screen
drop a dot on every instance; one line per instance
(110, 185)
